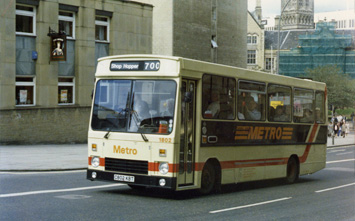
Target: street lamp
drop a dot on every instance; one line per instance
(278, 38)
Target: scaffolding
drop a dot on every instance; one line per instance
(323, 46)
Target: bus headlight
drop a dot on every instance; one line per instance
(163, 168)
(95, 161)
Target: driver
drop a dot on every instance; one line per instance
(141, 108)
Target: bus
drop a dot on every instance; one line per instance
(177, 123)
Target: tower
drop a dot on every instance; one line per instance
(298, 14)
(258, 11)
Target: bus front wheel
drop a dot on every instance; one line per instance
(208, 178)
(293, 170)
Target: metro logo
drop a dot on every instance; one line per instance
(263, 133)
(126, 150)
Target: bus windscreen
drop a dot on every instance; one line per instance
(142, 106)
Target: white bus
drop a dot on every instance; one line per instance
(177, 123)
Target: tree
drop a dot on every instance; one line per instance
(340, 87)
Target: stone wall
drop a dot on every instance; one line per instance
(44, 125)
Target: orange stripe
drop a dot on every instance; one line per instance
(154, 167)
(241, 132)
(303, 158)
(174, 168)
(102, 162)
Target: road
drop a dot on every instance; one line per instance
(326, 195)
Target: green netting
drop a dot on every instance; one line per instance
(322, 47)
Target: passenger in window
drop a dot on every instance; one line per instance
(241, 105)
(214, 106)
(280, 114)
(141, 108)
(252, 113)
(307, 116)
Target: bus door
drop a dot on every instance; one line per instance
(187, 133)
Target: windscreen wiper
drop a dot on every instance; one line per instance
(137, 120)
(108, 133)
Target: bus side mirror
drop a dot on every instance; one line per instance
(188, 97)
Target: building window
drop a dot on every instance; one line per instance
(269, 63)
(67, 23)
(66, 90)
(25, 91)
(25, 20)
(102, 28)
(251, 57)
(252, 39)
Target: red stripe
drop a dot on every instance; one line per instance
(174, 168)
(102, 162)
(303, 158)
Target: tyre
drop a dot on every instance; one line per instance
(208, 179)
(293, 170)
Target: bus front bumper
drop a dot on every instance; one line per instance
(138, 180)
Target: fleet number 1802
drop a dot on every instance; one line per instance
(165, 140)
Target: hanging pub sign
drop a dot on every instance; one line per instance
(58, 45)
(58, 48)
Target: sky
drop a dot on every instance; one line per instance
(270, 8)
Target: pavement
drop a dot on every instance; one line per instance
(27, 158)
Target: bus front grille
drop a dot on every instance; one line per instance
(127, 166)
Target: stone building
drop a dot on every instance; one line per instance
(207, 30)
(49, 50)
(345, 19)
(297, 14)
(255, 39)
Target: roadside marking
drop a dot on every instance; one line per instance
(58, 191)
(335, 151)
(331, 149)
(341, 169)
(73, 197)
(344, 153)
(334, 188)
(250, 205)
(340, 161)
(41, 172)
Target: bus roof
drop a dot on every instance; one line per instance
(179, 66)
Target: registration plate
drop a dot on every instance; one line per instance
(124, 178)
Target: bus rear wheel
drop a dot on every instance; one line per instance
(293, 170)
(208, 179)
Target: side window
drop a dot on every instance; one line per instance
(303, 106)
(279, 103)
(218, 101)
(66, 90)
(319, 111)
(25, 20)
(102, 28)
(251, 100)
(67, 23)
(25, 91)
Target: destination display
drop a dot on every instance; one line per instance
(135, 65)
